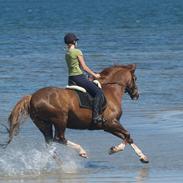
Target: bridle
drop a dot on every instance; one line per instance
(127, 89)
(133, 90)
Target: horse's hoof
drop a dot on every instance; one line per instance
(112, 150)
(83, 155)
(144, 160)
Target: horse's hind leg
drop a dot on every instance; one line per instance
(60, 125)
(60, 138)
(45, 128)
(78, 148)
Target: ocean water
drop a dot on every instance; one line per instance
(148, 33)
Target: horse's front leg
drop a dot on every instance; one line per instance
(143, 158)
(118, 130)
(117, 148)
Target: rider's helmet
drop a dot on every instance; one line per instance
(70, 38)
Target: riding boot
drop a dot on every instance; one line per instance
(96, 116)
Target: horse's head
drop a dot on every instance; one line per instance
(131, 87)
(123, 76)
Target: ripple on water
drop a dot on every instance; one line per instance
(170, 119)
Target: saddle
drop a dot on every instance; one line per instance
(85, 99)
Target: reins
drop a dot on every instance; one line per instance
(114, 83)
(123, 87)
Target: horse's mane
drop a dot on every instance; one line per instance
(114, 68)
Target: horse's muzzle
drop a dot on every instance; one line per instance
(135, 97)
(135, 94)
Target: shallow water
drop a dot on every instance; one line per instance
(111, 32)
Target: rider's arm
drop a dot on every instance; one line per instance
(86, 68)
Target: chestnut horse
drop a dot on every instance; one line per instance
(54, 109)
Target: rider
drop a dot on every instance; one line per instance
(76, 64)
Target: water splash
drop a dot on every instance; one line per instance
(33, 159)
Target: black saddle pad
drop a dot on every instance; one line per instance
(86, 100)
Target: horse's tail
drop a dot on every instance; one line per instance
(19, 113)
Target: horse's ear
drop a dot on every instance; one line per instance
(132, 67)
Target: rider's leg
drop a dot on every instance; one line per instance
(97, 105)
(94, 91)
